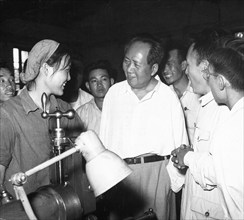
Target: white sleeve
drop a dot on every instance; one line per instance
(201, 167)
(180, 137)
(176, 178)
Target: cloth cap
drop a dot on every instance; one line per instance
(38, 55)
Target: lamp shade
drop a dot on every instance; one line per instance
(106, 170)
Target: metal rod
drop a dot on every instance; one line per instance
(51, 161)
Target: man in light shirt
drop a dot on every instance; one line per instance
(222, 168)
(198, 203)
(142, 120)
(174, 75)
(99, 80)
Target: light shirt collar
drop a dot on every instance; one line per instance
(204, 100)
(238, 105)
(148, 95)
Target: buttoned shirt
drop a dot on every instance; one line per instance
(25, 139)
(131, 127)
(152, 125)
(83, 97)
(90, 116)
(223, 167)
(198, 203)
(190, 105)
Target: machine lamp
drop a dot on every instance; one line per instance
(104, 169)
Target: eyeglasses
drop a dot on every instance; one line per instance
(206, 74)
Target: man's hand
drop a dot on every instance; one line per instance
(90, 144)
(178, 156)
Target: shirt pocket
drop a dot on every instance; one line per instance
(206, 208)
(203, 135)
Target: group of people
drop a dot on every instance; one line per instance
(187, 135)
(214, 180)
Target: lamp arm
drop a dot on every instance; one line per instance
(20, 178)
(21, 195)
(51, 161)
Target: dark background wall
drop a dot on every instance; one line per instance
(98, 29)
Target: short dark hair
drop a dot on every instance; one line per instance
(228, 60)
(179, 47)
(206, 42)
(99, 64)
(204, 49)
(156, 52)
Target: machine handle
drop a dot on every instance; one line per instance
(57, 114)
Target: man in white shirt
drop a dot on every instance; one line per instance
(174, 75)
(222, 168)
(142, 121)
(198, 203)
(99, 80)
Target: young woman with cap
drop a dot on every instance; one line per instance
(24, 134)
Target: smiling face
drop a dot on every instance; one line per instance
(174, 69)
(99, 82)
(137, 71)
(194, 72)
(7, 85)
(56, 80)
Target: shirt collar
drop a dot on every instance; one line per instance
(150, 94)
(94, 104)
(30, 106)
(189, 87)
(204, 100)
(27, 102)
(238, 105)
(128, 88)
